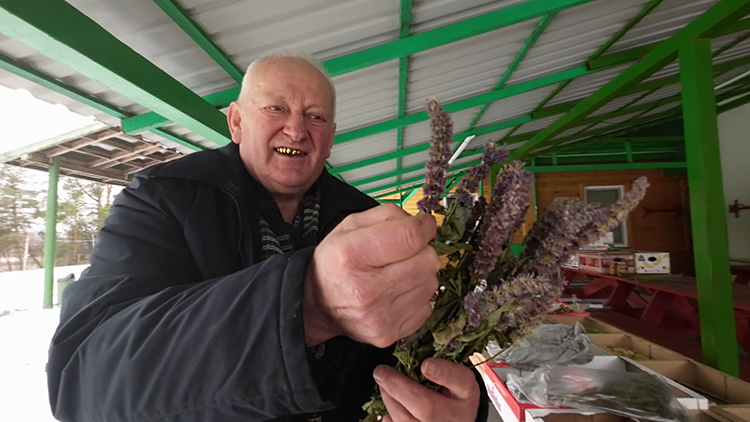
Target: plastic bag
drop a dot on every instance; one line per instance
(557, 344)
(634, 395)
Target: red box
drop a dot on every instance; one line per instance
(600, 261)
(509, 408)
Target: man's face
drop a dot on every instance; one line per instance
(284, 125)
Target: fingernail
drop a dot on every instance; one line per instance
(428, 368)
(379, 374)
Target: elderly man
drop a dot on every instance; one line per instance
(248, 284)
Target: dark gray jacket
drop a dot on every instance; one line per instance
(176, 320)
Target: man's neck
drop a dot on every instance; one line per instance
(288, 208)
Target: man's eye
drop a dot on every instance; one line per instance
(275, 108)
(317, 117)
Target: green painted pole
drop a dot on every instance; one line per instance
(50, 237)
(629, 151)
(707, 208)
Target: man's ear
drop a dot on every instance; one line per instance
(330, 142)
(234, 120)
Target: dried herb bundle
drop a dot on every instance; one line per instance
(485, 291)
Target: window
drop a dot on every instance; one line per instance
(605, 196)
(447, 199)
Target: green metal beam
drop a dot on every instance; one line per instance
(492, 128)
(178, 15)
(448, 34)
(538, 30)
(628, 26)
(606, 167)
(706, 25)
(406, 198)
(646, 87)
(616, 37)
(399, 48)
(667, 155)
(420, 178)
(732, 44)
(396, 173)
(538, 107)
(50, 83)
(405, 19)
(670, 114)
(399, 190)
(98, 55)
(708, 213)
(627, 56)
(26, 72)
(20, 69)
(463, 104)
(50, 235)
(733, 103)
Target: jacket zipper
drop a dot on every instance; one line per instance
(239, 218)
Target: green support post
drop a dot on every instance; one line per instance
(707, 208)
(629, 151)
(50, 236)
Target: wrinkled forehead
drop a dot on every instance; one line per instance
(282, 75)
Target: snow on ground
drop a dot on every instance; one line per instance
(25, 333)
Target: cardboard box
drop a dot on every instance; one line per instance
(604, 243)
(578, 416)
(692, 400)
(652, 263)
(736, 413)
(602, 344)
(495, 375)
(600, 262)
(709, 382)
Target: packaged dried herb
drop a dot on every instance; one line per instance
(640, 396)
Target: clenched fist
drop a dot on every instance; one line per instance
(372, 278)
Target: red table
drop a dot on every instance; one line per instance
(664, 293)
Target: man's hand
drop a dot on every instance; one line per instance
(372, 278)
(409, 401)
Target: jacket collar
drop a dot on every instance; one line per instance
(223, 166)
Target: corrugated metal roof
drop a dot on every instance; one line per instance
(245, 29)
(668, 17)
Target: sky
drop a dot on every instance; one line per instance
(25, 120)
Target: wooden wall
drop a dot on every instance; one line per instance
(659, 231)
(666, 230)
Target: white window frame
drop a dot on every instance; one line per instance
(621, 192)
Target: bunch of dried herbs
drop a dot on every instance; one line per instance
(486, 292)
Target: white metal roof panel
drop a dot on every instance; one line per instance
(574, 35)
(666, 19)
(369, 171)
(586, 85)
(367, 147)
(512, 107)
(465, 68)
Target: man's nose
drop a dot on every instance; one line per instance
(296, 128)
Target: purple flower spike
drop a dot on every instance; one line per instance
(441, 141)
(469, 184)
(504, 214)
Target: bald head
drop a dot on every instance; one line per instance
(284, 124)
(287, 59)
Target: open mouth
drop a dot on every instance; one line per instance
(288, 151)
